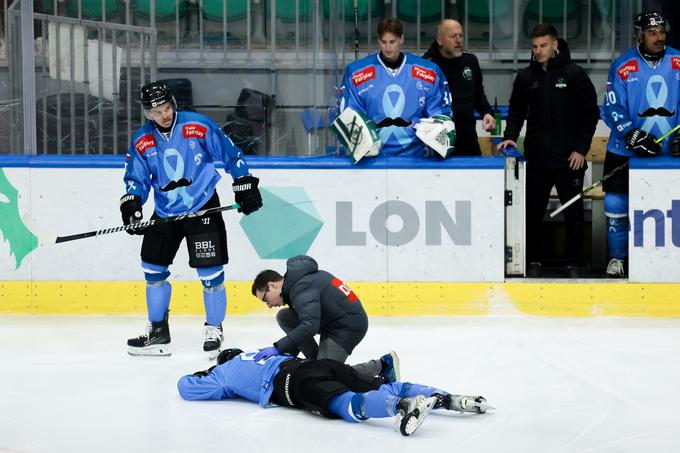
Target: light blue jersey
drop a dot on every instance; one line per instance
(240, 377)
(188, 156)
(641, 96)
(417, 89)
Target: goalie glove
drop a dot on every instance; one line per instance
(437, 132)
(642, 143)
(357, 134)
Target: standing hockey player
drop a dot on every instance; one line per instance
(640, 104)
(393, 102)
(324, 387)
(321, 304)
(175, 154)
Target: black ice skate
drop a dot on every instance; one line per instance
(155, 341)
(411, 413)
(462, 403)
(213, 340)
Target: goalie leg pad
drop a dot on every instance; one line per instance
(357, 133)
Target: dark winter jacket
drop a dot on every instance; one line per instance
(465, 82)
(560, 107)
(324, 305)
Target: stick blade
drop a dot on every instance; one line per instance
(45, 237)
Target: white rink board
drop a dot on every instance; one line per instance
(65, 201)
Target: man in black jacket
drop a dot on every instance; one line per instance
(465, 82)
(559, 102)
(318, 303)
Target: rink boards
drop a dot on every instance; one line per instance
(411, 238)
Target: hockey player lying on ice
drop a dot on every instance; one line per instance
(324, 387)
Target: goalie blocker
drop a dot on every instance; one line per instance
(438, 132)
(357, 134)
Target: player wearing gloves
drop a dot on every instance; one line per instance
(175, 153)
(324, 387)
(640, 105)
(384, 98)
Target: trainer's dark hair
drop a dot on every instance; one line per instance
(263, 278)
(543, 30)
(390, 25)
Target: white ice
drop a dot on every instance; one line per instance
(559, 385)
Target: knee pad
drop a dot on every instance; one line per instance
(615, 205)
(212, 277)
(155, 274)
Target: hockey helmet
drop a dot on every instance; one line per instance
(649, 19)
(154, 94)
(228, 354)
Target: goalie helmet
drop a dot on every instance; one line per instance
(227, 355)
(649, 19)
(155, 94)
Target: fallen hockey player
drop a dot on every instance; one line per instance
(324, 387)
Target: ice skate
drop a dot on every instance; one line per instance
(154, 342)
(616, 268)
(411, 413)
(213, 340)
(390, 367)
(462, 403)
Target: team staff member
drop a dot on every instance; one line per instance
(559, 103)
(175, 153)
(464, 75)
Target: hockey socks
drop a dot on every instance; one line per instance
(214, 294)
(158, 300)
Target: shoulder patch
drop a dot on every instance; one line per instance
(364, 75)
(194, 130)
(627, 68)
(425, 74)
(675, 62)
(145, 142)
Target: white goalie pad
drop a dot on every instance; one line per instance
(358, 134)
(437, 132)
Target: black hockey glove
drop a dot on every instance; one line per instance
(642, 143)
(675, 145)
(131, 209)
(247, 195)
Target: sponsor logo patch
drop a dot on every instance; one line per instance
(194, 130)
(423, 74)
(675, 62)
(627, 68)
(145, 142)
(364, 75)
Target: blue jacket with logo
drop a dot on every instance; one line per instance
(417, 89)
(559, 104)
(641, 95)
(196, 143)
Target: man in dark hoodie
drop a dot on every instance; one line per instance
(559, 103)
(465, 82)
(318, 303)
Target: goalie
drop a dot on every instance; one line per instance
(394, 103)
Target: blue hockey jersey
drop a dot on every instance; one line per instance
(418, 89)
(639, 95)
(240, 377)
(196, 143)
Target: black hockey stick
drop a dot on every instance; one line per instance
(356, 30)
(604, 178)
(148, 223)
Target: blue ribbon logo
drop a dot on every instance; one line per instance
(175, 174)
(656, 101)
(394, 111)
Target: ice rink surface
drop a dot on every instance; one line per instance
(559, 385)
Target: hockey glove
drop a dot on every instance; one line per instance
(247, 195)
(675, 145)
(265, 353)
(131, 209)
(642, 143)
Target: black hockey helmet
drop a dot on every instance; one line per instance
(227, 355)
(154, 94)
(649, 19)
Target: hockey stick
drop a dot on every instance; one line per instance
(356, 30)
(604, 178)
(148, 223)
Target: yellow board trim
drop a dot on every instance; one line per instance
(379, 299)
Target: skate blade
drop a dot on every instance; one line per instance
(212, 355)
(412, 422)
(483, 407)
(156, 350)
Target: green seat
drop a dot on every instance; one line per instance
(285, 10)
(214, 10)
(377, 7)
(165, 9)
(478, 10)
(430, 11)
(553, 13)
(92, 9)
